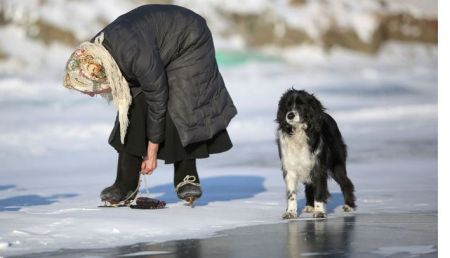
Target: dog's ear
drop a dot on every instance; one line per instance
(282, 108)
(281, 113)
(315, 110)
(316, 104)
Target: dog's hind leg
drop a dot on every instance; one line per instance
(339, 174)
(309, 195)
(291, 194)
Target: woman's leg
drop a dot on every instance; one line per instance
(185, 168)
(127, 179)
(129, 167)
(186, 181)
(130, 153)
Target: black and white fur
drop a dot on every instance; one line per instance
(311, 148)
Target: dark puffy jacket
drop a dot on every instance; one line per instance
(167, 52)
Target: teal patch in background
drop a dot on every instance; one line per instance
(227, 58)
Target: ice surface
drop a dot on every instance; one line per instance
(55, 158)
(355, 235)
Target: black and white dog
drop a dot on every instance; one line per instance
(311, 148)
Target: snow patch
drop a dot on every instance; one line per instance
(145, 253)
(410, 250)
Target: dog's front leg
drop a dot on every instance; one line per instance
(309, 195)
(291, 193)
(321, 194)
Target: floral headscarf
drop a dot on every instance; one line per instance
(91, 68)
(85, 72)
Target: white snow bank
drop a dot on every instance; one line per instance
(83, 19)
(316, 17)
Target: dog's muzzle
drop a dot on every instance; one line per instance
(292, 116)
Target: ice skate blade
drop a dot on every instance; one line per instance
(114, 205)
(190, 201)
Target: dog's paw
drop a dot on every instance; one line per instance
(289, 215)
(347, 208)
(319, 215)
(308, 209)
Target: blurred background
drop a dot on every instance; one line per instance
(37, 34)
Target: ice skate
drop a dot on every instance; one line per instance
(126, 186)
(113, 197)
(188, 190)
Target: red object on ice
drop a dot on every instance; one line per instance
(148, 203)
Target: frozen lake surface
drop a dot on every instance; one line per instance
(361, 235)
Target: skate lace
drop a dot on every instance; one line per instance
(132, 194)
(145, 183)
(139, 187)
(187, 180)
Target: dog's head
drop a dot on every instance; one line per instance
(297, 109)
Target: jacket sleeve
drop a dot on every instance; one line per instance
(150, 72)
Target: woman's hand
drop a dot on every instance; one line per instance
(149, 163)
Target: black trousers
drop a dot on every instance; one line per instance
(171, 150)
